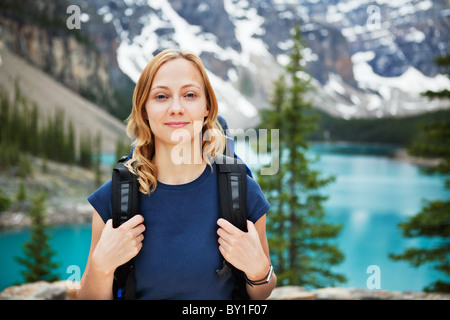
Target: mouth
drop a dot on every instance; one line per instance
(176, 124)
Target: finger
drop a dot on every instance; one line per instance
(222, 251)
(222, 243)
(138, 249)
(133, 222)
(228, 226)
(140, 238)
(139, 229)
(224, 236)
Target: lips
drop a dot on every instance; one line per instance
(176, 124)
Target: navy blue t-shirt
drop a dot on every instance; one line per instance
(180, 253)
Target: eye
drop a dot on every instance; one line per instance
(190, 95)
(160, 96)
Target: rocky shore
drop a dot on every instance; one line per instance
(60, 290)
(404, 156)
(66, 187)
(340, 293)
(67, 213)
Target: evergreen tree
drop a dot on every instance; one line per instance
(98, 158)
(444, 63)
(59, 149)
(33, 132)
(38, 254)
(433, 221)
(298, 233)
(123, 148)
(22, 193)
(70, 145)
(24, 166)
(22, 133)
(85, 155)
(273, 184)
(5, 201)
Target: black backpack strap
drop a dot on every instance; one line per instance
(232, 180)
(125, 194)
(125, 204)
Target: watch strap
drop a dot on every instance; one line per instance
(260, 282)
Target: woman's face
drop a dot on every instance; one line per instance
(176, 105)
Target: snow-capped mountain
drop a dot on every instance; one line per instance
(367, 58)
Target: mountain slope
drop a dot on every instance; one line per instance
(49, 95)
(367, 58)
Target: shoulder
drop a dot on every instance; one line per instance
(104, 190)
(257, 204)
(101, 200)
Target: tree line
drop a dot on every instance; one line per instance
(401, 131)
(23, 132)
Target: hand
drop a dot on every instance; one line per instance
(243, 249)
(117, 246)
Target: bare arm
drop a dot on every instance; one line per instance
(262, 291)
(110, 248)
(249, 252)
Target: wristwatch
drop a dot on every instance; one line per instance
(260, 282)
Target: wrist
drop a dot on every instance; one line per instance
(99, 268)
(262, 281)
(261, 274)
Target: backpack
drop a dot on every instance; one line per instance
(232, 188)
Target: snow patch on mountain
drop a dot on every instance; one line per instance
(385, 40)
(394, 95)
(412, 81)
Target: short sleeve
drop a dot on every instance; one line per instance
(257, 204)
(102, 202)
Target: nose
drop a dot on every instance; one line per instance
(176, 107)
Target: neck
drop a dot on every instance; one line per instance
(177, 166)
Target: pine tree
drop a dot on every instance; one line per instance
(433, 221)
(22, 192)
(273, 184)
(59, 136)
(5, 201)
(122, 148)
(298, 233)
(22, 133)
(70, 145)
(33, 132)
(98, 158)
(85, 155)
(38, 253)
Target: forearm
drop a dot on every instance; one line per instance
(96, 284)
(261, 292)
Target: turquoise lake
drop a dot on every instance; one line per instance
(372, 194)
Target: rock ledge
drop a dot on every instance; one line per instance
(59, 290)
(339, 293)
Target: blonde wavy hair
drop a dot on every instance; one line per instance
(140, 163)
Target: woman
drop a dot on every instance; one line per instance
(179, 239)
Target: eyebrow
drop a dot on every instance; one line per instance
(167, 88)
